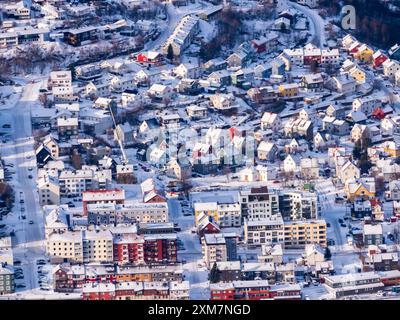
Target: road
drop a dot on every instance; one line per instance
(29, 241)
(174, 15)
(317, 23)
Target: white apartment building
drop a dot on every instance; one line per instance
(267, 231)
(129, 212)
(258, 203)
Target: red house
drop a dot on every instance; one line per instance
(207, 225)
(354, 48)
(378, 113)
(378, 59)
(150, 58)
(260, 45)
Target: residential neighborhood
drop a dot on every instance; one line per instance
(196, 150)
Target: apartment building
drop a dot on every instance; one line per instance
(267, 231)
(182, 36)
(214, 249)
(60, 79)
(7, 284)
(97, 246)
(114, 196)
(353, 283)
(65, 247)
(297, 234)
(160, 248)
(129, 249)
(129, 212)
(49, 190)
(298, 205)
(76, 182)
(258, 203)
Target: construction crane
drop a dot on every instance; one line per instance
(124, 158)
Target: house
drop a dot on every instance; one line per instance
(215, 65)
(364, 53)
(372, 234)
(196, 112)
(265, 43)
(390, 68)
(348, 171)
(281, 24)
(159, 92)
(314, 254)
(288, 90)
(48, 190)
(182, 36)
(309, 168)
(291, 164)
(179, 169)
(330, 57)
(361, 209)
(309, 3)
(312, 53)
(222, 101)
(249, 174)
(360, 188)
(158, 157)
(219, 78)
(206, 225)
(358, 74)
(359, 132)
(378, 58)
(312, 82)
(365, 105)
(344, 84)
(267, 151)
(150, 58)
(124, 133)
(190, 71)
(271, 121)
(43, 155)
(337, 111)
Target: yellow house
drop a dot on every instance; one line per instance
(392, 148)
(364, 54)
(362, 188)
(358, 74)
(288, 90)
(208, 208)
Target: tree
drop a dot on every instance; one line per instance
(357, 150)
(327, 254)
(170, 52)
(214, 274)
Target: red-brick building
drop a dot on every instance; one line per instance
(160, 248)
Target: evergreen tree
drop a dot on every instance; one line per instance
(357, 150)
(214, 274)
(327, 254)
(170, 52)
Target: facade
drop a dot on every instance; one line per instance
(258, 203)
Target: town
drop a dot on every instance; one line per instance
(196, 150)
